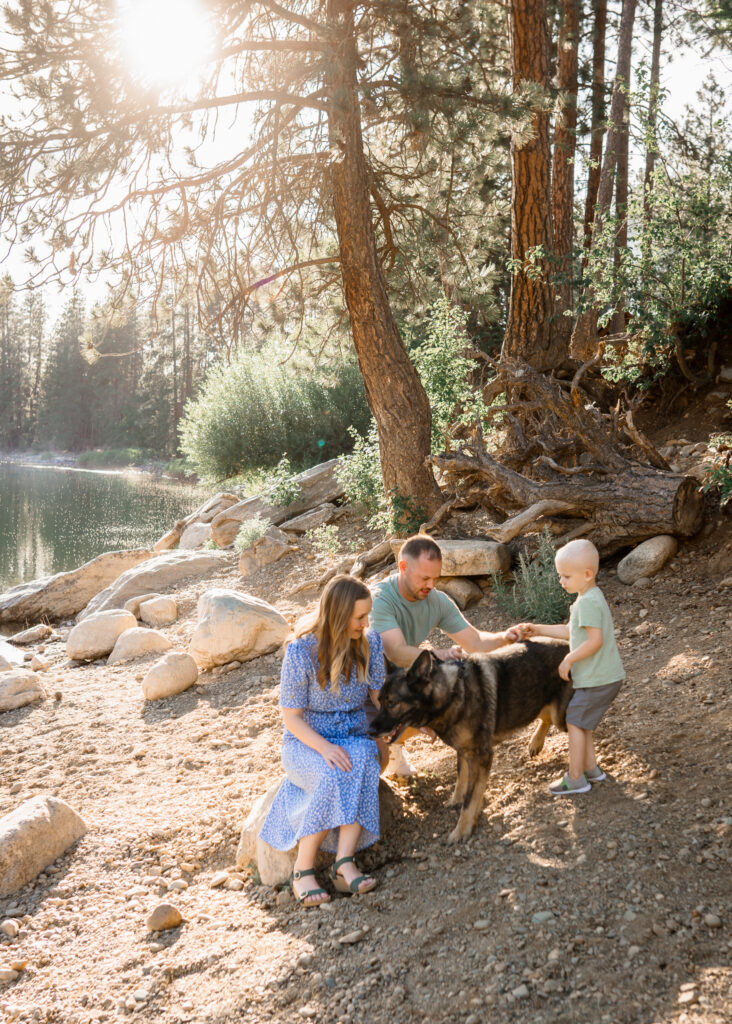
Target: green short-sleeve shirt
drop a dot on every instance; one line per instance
(604, 666)
(416, 619)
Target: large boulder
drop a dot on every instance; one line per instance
(66, 593)
(469, 557)
(34, 635)
(159, 611)
(173, 674)
(32, 837)
(204, 514)
(235, 627)
(10, 657)
(319, 516)
(463, 591)
(267, 549)
(316, 486)
(275, 866)
(195, 536)
(19, 687)
(96, 636)
(156, 574)
(138, 643)
(647, 559)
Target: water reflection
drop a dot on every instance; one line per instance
(55, 519)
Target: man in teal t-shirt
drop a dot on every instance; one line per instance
(407, 607)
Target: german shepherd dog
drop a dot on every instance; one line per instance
(474, 702)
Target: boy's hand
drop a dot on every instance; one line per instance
(564, 669)
(526, 630)
(512, 635)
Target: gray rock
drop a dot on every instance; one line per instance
(647, 558)
(234, 626)
(468, 557)
(542, 917)
(267, 549)
(316, 486)
(96, 635)
(320, 516)
(63, 595)
(155, 575)
(32, 837)
(19, 687)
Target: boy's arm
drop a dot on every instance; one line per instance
(590, 646)
(560, 631)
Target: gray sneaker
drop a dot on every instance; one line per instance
(567, 787)
(595, 774)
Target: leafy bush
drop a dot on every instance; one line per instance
(181, 469)
(535, 594)
(719, 475)
(111, 457)
(251, 411)
(325, 539)
(359, 472)
(284, 489)
(250, 531)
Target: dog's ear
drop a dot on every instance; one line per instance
(422, 665)
(390, 666)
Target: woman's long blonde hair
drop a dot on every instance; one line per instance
(337, 652)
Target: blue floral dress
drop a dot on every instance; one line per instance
(314, 796)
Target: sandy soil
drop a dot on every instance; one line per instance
(610, 908)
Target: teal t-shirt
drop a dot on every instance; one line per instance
(416, 619)
(604, 666)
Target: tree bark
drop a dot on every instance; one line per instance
(584, 336)
(597, 128)
(394, 391)
(652, 146)
(530, 333)
(621, 214)
(565, 145)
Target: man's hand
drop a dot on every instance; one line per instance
(564, 668)
(336, 757)
(512, 635)
(451, 654)
(526, 630)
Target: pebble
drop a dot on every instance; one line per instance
(522, 992)
(178, 885)
(480, 926)
(140, 995)
(542, 916)
(305, 960)
(308, 1011)
(712, 921)
(235, 884)
(8, 974)
(688, 998)
(164, 917)
(10, 928)
(351, 937)
(219, 878)
(283, 898)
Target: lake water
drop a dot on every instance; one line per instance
(53, 519)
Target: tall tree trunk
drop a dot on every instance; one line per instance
(597, 128)
(565, 145)
(393, 388)
(584, 336)
(651, 126)
(530, 332)
(621, 213)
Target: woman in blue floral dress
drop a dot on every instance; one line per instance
(329, 798)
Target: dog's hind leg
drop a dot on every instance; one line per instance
(461, 783)
(536, 743)
(473, 803)
(559, 708)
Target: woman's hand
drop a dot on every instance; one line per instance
(336, 757)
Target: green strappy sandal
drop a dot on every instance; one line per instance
(295, 877)
(352, 888)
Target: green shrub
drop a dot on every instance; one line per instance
(359, 472)
(252, 410)
(284, 489)
(181, 469)
(250, 531)
(719, 475)
(325, 539)
(536, 594)
(111, 457)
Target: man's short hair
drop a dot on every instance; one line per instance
(418, 545)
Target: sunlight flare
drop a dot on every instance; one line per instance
(164, 41)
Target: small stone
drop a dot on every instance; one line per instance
(140, 995)
(235, 884)
(155, 947)
(542, 917)
(688, 998)
(10, 928)
(633, 951)
(712, 921)
(219, 879)
(706, 802)
(481, 925)
(522, 992)
(283, 898)
(7, 974)
(305, 960)
(178, 885)
(164, 917)
(351, 937)
(308, 1011)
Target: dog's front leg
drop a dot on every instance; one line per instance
(473, 801)
(461, 783)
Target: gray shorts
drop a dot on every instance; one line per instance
(589, 704)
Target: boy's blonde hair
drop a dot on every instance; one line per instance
(581, 553)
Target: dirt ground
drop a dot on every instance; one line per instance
(609, 908)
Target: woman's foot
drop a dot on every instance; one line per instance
(345, 874)
(306, 890)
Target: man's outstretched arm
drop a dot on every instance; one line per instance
(480, 641)
(401, 653)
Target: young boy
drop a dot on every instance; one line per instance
(593, 662)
